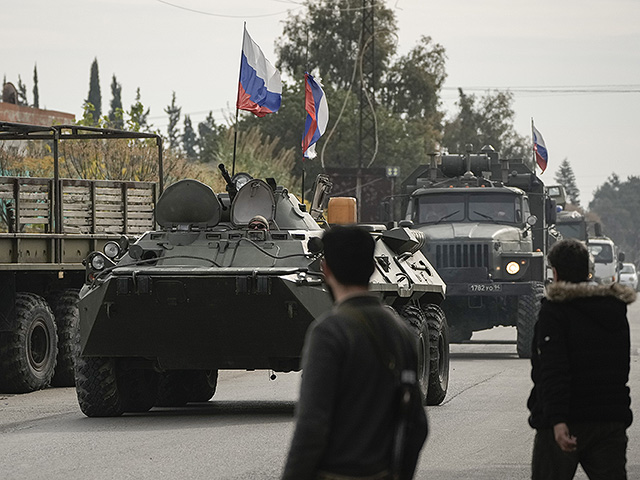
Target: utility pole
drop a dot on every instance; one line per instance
(367, 127)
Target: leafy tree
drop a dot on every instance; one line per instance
(486, 121)
(208, 138)
(22, 92)
(617, 203)
(327, 36)
(36, 94)
(116, 113)
(565, 176)
(138, 115)
(406, 131)
(174, 117)
(189, 139)
(95, 97)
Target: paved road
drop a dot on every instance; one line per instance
(479, 432)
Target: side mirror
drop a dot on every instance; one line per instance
(621, 256)
(405, 223)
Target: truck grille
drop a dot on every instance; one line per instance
(462, 255)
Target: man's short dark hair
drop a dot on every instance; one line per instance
(348, 252)
(570, 258)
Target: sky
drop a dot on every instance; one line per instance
(572, 65)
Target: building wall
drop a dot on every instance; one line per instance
(10, 112)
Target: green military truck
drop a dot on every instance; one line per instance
(486, 221)
(48, 226)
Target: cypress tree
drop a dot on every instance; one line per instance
(189, 139)
(95, 97)
(36, 94)
(174, 117)
(565, 176)
(138, 115)
(208, 138)
(116, 112)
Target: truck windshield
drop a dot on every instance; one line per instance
(602, 252)
(474, 207)
(572, 230)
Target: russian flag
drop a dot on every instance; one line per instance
(260, 86)
(315, 103)
(540, 149)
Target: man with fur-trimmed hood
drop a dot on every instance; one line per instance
(580, 402)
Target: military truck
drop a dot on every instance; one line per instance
(569, 223)
(232, 281)
(485, 220)
(48, 227)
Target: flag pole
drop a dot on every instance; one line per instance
(235, 131)
(533, 147)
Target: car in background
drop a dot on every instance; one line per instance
(629, 275)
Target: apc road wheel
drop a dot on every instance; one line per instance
(418, 323)
(28, 354)
(97, 387)
(138, 388)
(528, 308)
(179, 387)
(65, 310)
(438, 353)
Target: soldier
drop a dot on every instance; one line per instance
(580, 368)
(346, 412)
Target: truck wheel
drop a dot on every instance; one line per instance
(416, 319)
(28, 354)
(97, 387)
(438, 353)
(138, 388)
(528, 308)
(179, 387)
(65, 310)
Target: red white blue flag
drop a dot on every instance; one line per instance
(315, 103)
(260, 87)
(540, 149)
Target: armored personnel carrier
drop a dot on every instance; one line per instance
(231, 281)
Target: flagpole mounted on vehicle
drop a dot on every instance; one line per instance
(235, 130)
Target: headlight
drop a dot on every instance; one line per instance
(97, 262)
(111, 250)
(512, 268)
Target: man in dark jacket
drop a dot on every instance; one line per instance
(345, 414)
(580, 403)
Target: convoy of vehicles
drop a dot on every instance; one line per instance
(48, 226)
(486, 222)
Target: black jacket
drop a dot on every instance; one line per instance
(581, 355)
(346, 412)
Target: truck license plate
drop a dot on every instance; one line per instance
(485, 287)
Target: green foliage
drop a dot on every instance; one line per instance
(486, 121)
(326, 35)
(565, 176)
(95, 97)
(189, 139)
(174, 117)
(138, 116)
(209, 137)
(36, 94)
(258, 155)
(22, 92)
(617, 203)
(116, 112)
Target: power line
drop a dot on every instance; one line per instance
(627, 88)
(222, 15)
